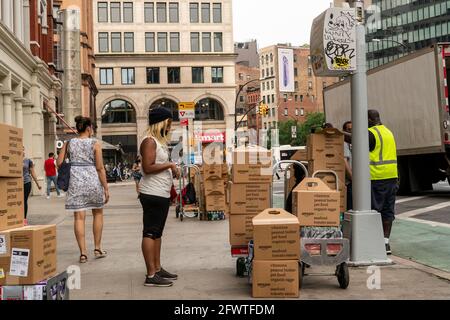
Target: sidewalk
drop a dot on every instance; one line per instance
(199, 252)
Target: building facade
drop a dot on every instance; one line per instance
(399, 27)
(247, 53)
(158, 54)
(307, 96)
(28, 87)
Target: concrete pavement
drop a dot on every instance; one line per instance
(199, 252)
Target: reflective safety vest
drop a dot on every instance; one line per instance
(383, 159)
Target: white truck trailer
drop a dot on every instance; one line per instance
(411, 95)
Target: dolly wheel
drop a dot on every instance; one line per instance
(343, 275)
(240, 267)
(181, 216)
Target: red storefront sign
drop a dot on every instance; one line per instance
(184, 122)
(206, 137)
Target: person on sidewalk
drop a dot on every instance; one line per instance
(50, 173)
(137, 175)
(88, 189)
(347, 128)
(28, 175)
(383, 172)
(154, 188)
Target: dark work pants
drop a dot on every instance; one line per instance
(26, 193)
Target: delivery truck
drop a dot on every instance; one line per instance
(411, 95)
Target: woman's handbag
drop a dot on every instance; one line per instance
(64, 172)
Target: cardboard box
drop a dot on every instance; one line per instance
(252, 155)
(212, 172)
(11, 151)
(241, 229)
(315, 204)
(325, 144)
(247, 173)
(276, 234)
(330, 181)
(215, 202)
(11, 203)
(33, 256)
(214, 186)
(300, 155)
(249, 198)
(275, 279)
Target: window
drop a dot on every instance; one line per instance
(241, 76)
(161, 12)
(115, 11)
(173, 12)
(296, 112)
(195, 42)
(173, 75)
(273, 98)
(127, 75)
(152, 75)
(271, 71)
(106, 76)
(295, 72)
(217, 74)
(271, 57)
(102, 12)
(174, 42)
(218, 44)
(197, 75)
(206, 13)
(262, 73)
(128, 12)
(209, 109)
(264, 86)
(217, 12)
(295, 58)
(129, 41)
(296, 98)
(296, 85)
(150, 42)
(309, 72)
(285, 112)
(103, 45)
(149, 12)
(162, 41)
(118, 111)
(262, 61)
(206, 42)
(116, 42)
(301, 98)
(302, 112)
(310, 85)
(268, 99)
(285, 97)
(193, 8)
(273, 84)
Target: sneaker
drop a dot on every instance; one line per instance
(167, 275)
(388, 249)
(47, 197)
(157, 281)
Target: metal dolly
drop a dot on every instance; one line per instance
(189, 211)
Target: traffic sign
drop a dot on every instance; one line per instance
(186, 110)
(294, 132)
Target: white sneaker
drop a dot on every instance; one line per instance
(47, 197)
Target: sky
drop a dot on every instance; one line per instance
(275, 21)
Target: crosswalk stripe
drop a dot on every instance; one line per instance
(412, 213)
(427, 222)
(409, 199)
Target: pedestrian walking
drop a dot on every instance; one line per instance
(88, 189)
(50, 173)
(154, 187)
(383, 172)
(347, 128)
(137, 175)
(28, 176)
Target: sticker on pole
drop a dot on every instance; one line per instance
(19, 262)
(186, 110)
(333, 42)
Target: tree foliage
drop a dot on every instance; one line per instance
(313, 120)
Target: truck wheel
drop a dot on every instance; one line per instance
(240, 267)
(343, 275)
(403, 177)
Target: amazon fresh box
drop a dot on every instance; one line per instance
(11, 151)
(315, 204)
(252, 173)
(330, 180)
(11, 203)
(252, 155)
(241, 229)
(212, 172)
(33, 256)
(214, 186)
(276, 234)
(275, 279)
(216, 202)
(249, 198)
(327, 143)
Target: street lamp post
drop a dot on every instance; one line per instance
(394, 41)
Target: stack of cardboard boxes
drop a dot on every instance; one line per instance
(214, 191)
(275, 266)
(249, 192)
(27, 254)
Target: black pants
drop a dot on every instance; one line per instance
(383, 198)
(349, 197)
(26, 193)
(156, 210)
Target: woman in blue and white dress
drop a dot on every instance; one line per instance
(88, 188)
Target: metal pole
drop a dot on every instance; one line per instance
(362, 225)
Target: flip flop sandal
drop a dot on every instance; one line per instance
(83, 258)
(99, 253)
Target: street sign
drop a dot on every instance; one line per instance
(294, 132)
(186, 110)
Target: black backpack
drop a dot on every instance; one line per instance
(190, 196)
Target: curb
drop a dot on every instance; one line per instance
(424, 268)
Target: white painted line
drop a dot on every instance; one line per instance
(409, 199)
(416, 212)
(430, 223)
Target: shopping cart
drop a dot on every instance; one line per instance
(191, 210)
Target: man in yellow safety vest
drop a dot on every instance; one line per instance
(383, 172)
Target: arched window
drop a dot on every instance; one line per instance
(209, 109)
(118, 111)
(267, 59)
(170, 105)
(271, 57)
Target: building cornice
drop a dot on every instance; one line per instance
(134, 87)
(153, 56)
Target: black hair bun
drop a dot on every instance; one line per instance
(82, 123)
